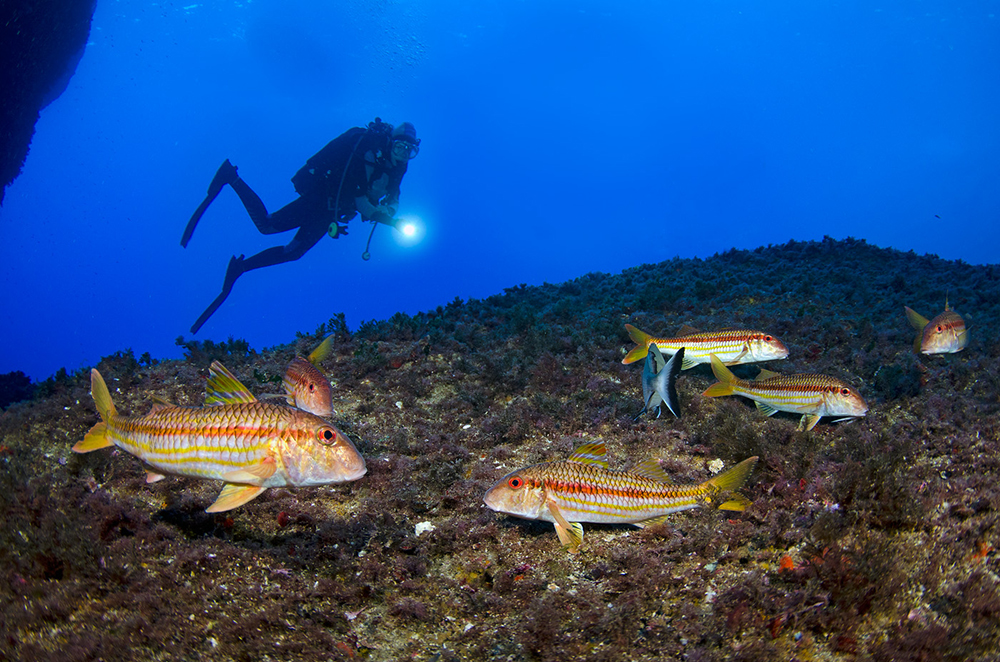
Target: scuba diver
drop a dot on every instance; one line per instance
(359, 171)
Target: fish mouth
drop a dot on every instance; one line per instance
(353, 470)
(491, 501)
(342, 466)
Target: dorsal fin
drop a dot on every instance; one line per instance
(765, 374)
(916, 320)
(224, 388)
(687, 330)
(593, 453)
(159, 403)
(652, 470)
(322, 351)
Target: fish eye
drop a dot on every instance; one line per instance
(326, 436)
(768, 338)
(515, 482)
(312, 387)
(845, 391)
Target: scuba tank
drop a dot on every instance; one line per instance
(327, 168)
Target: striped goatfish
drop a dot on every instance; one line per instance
(249, 445)
(581, 488)
(811, 395)
(305, 386)
(733, 346)
(945, 334)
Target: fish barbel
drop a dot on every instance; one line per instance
(733, 346)
(811, 395)
(945, 334)
(247, 444)
(581, 488)
(305, 386)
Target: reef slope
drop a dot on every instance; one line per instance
(868, 540)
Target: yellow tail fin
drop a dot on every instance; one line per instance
(735, 477)
(725, 376)
(718, 389)
(322, 351)
(916, 320)
(733, 480)
(94, 440)
(641, 339)
(102, 398)
(97, 438)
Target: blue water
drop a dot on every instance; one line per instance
(558, 138)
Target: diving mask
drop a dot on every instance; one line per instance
(404, 149)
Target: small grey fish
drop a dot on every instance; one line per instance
(659, 377)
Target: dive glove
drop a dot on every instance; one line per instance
(379, 216)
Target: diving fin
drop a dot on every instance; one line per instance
(224, 175)
(234, 271)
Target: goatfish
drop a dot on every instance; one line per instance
(811, 395)
(659, 378)
(247, 444)
(305, 386)
(945, 334)
(581, 488)
(733, 346)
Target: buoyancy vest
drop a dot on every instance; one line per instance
(339, 173)
(327, 165)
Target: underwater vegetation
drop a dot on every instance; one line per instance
(873, 539)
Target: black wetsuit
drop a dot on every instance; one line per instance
(323, 199)
(353, 165)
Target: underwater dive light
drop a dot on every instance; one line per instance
(411, 231)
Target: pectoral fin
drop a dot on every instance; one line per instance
(232, 496)
(738, 357)
(255, 474)
(570, 533)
